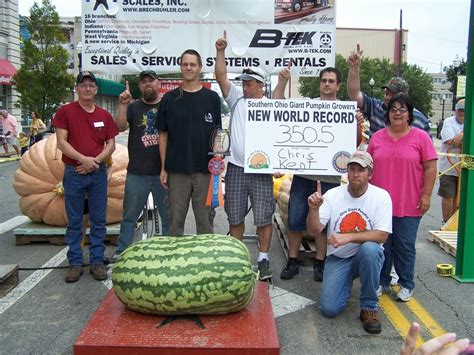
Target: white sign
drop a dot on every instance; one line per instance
(307, 137)
(128, 36)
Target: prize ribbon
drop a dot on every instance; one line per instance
(214, 195)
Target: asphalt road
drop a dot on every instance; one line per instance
(45, 315)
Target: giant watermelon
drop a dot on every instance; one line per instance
(205, 274)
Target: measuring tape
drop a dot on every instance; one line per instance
(445, 269)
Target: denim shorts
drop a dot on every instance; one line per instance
(301, 189)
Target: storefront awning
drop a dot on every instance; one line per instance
(7, 70)
(109, 87)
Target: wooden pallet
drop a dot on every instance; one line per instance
(307, 247)
(447, 240)
(31, 232)
(8, 278)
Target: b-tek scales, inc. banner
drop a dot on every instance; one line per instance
(127, 36)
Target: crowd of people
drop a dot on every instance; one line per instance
(361, 229)
(20, 141)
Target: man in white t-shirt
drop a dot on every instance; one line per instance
(240, 186)
(451, 135)
(359, 218)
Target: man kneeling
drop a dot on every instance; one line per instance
(360, 219)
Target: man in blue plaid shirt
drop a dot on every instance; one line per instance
(373, 108)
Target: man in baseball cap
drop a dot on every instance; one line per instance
(359, 220)
(372, 107)
(85, 74)
(396, 85)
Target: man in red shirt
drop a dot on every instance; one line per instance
(86, 136)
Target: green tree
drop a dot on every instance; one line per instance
(381, 70)
(42, 80)
(452, 73)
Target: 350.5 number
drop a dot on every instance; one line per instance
(308, 135)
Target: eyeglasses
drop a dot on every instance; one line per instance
(87, 86)
(402, 110)
(250, 71)
(330, 81)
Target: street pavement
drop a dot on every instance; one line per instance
(44, 315)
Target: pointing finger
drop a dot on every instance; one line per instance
(127, 87)
(318, 187)
(225, 34)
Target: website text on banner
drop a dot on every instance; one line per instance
(128, 36)
(309, 137)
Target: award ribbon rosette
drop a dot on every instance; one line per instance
(215, 197)
(220, 143)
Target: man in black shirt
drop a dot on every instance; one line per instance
(144, 166)
(188, 117)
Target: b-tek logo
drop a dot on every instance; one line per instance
(273, 38)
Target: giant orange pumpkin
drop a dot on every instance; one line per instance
(38, 181)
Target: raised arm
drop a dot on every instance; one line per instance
(125, 98)
(353, 78)
(220, 68)
(283, 78)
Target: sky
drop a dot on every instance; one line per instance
(438, 29)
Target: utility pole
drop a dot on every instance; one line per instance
(400, 49)
(465, 243)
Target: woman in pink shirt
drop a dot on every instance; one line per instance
(405, 166)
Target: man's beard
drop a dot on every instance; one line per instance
(149, 95)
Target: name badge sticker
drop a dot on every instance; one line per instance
(98, 124)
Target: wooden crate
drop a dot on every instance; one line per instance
(307, 247)
(447, 240)
(8, 278)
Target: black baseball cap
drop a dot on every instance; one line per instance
(85, 74)
(151, 73)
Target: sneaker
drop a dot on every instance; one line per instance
(318, 271)
(383, 289)
(404, 294)
(290, 270)
(393, 274)
(264, 269)
(73, 274)
(370, 321)
(99, 272)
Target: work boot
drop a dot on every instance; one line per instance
(73, 273)
(99, 272)
(370, 321)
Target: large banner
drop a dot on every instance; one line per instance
(127, 36)
(306, 137)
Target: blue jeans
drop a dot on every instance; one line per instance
(76, 186)
(137, 189)
(400, 250)
(339, 274)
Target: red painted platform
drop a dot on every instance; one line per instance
(114, 329)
